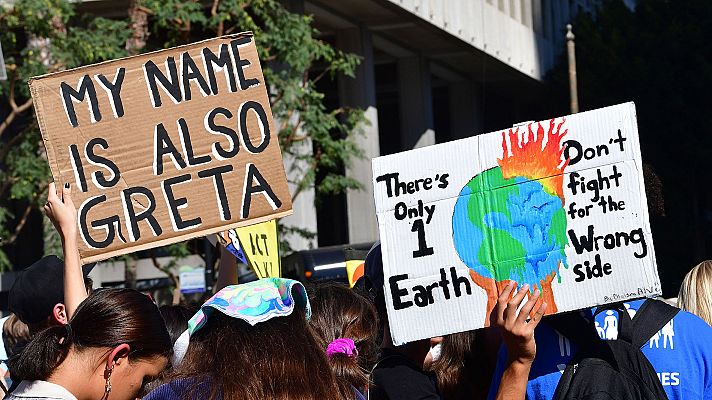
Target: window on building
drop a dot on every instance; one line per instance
(526, 12)
(500, 5)
(331, 212)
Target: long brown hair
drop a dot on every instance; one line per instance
(106, 319)
(278, 359)
(339, 312)
(14, 331)
(463, 369)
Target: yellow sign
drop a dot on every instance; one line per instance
(354, 270)
(260, 245)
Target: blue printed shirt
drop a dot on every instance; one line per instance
(680, 353)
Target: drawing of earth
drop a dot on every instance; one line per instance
(514, 227)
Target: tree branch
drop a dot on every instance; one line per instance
(23, 219)
(7, 146)
(312, 165)
(214, 12)
(165, 269)
(15, 110)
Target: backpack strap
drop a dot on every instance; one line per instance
(574, 327)
(650, 318)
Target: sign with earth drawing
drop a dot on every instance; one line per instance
(557, 204)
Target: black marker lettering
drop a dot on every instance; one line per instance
(261, 122)
(218, 151)
(220, 194)
(69, 96)
(253, 174)
(191, 72)
(162, 146)
(175, 204)
(113, 89)
(224, 63)
(170, 86)
(240, 64)
(132, 218)
(99, 178)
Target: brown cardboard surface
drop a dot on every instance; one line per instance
(185, 154)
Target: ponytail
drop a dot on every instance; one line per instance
(105, 319)
(348, 372)
(346, 325)
(42, 354)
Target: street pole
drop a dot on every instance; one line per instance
(571, 50)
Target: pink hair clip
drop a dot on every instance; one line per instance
(343, 346)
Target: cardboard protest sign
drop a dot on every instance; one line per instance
(257, 246)
(558, 204)
(355, 264)
(165, 146)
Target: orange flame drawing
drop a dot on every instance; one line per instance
(535, 160)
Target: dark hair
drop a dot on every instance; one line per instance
(49, 321)
(462, 369)
(107, 318)
(339, 312)
(176, 318)
(277, 359)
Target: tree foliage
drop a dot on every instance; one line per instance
(658, 56)
(42, 36)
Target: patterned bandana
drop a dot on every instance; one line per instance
(254, 302)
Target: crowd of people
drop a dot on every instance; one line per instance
(276, 338)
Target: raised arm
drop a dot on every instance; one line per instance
(227, 271)
(63, 214)
(518, 337)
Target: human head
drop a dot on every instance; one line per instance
(696, 291)
(373, 275)
(462, 369)
(116, 336)
(340, 313)
(37, 296)
(14, 332)
(416, 351)
(258, 332)
(176, 318)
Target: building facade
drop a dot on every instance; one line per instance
(431, 71)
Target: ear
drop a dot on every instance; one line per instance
(59, 313)
(118, 355)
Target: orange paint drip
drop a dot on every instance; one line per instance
(534, 159)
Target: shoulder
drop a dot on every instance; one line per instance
(30, 390)
(399, 378)
(394, 366)
(176, 389)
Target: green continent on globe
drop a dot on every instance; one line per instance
(509, 228)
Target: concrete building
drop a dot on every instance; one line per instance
(431, 71)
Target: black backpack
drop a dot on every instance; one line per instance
(612, 369)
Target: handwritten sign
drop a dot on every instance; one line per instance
(165, 146)
(558, 204)
(258, 246)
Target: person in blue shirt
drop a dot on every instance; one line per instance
(680, 353)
